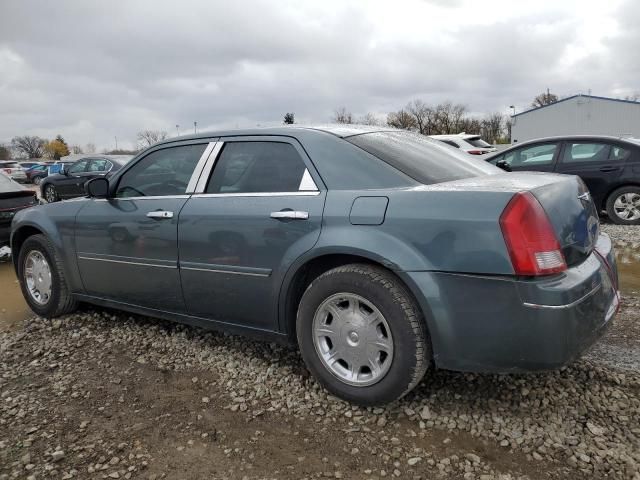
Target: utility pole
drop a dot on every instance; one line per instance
(116, 142)
(195, 127)
(177, 130)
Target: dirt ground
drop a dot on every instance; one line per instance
(100, 394)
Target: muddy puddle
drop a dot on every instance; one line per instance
(13, 309)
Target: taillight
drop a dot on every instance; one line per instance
(475, 152)
(531, 241)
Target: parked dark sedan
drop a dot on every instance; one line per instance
(69, 183)
(13, 198)
(379, 252)
(36, 173)
(610, 167)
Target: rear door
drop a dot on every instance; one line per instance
(599, 164)
(259, 210)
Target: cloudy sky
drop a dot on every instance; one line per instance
(95, 70)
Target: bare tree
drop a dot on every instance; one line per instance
(492, 127)
(401, 119)
(5, 152)
(289, 118)
(90, 148)
(545, 98)
(30, 146)
(76, 149)
(448, 118)
(341, 115)
(423, 116)
(469, 125)
(146, 138)
(369, 119)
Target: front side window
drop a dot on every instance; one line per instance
(257, 167)
(585, 152)
(79, 167)
(533, 156)
(161, 173)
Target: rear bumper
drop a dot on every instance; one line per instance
(502, 324)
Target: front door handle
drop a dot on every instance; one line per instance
(160, 214)
(609, 169)
(290, 215)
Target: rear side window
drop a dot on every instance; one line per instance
(161, 173)
(99, 165)
(423, 159)
(257, 167)
(449, 142)
(79, 166)
(477, 142)
(618, 153)
(585, 152)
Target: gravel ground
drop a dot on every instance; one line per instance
(101, 394)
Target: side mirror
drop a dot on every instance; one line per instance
(504, 165)
(97, 188)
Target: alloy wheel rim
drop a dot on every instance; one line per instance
(627, 206)
(50, 194)
(353, 339)
(37, 276)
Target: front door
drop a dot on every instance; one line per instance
(259, 211)
(69, 183)
(539, 157)
(127, 245)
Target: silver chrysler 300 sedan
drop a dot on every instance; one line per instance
(380, 252)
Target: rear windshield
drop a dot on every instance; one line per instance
(477, 142)
(9, 165)
(423, 159)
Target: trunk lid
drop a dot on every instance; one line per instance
(564, 198)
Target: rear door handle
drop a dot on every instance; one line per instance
(160, 214)
(290, 214)
(609, 169)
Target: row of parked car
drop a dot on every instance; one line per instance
(31, 171)
(609, 166)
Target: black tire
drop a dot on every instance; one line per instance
(50, 193)
(611, 212)
(60, 302)
(411, 345)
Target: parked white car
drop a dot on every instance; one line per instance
(472, 144)
(13, 170)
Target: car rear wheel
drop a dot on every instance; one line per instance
(50, 194)
(362, 335)
(42, 279)
(623, 206)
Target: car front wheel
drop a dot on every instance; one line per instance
(50, 194)
(42, 278)
(362, 335)
(623, 206)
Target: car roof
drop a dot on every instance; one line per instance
(597, 138)
(339, 130)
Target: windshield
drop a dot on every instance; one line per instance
(477, 142)
(423, 159)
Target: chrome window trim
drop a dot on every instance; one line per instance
(567, 305)
(258, 194)
(191, 187)
(208, 167)
(151, 197)
(306, 183)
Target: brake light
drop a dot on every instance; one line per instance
(475, 152)
(531, 241)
